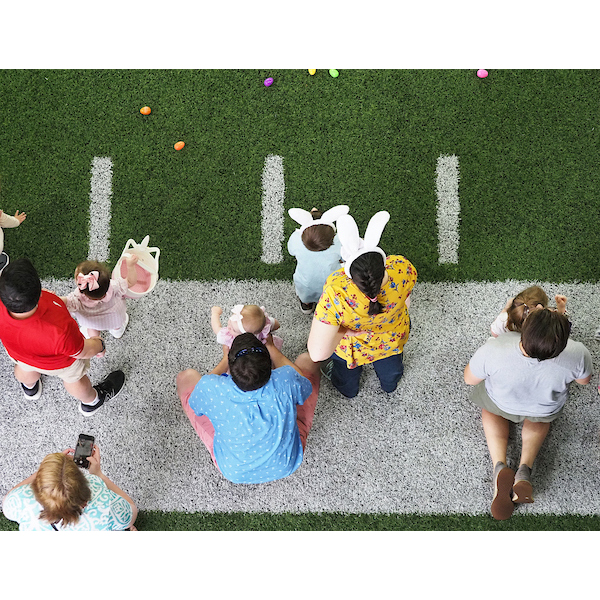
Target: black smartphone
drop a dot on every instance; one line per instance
(84, 448)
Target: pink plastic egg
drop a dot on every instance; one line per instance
(482, 73)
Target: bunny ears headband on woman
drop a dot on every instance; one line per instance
(352, 244)
(305, 219)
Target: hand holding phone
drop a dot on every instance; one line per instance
(83, 450)
(94, 461)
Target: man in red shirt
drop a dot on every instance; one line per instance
(40, 336)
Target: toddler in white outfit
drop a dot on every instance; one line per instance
(246, 318)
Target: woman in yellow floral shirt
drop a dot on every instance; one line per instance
(362, 318)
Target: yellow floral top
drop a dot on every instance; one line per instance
(342, 303)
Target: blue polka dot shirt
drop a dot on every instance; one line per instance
(256, 435)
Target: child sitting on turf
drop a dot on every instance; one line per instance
(246, 318)
(317, 250)
(516, 309)
(8, 221)
(98, 302)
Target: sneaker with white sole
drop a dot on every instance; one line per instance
(307, 308)
(118, 333)
(107, 390)
(33, 393)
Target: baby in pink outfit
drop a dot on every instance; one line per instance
(246, 318)
(98, 302)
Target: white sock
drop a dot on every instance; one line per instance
(95, 401)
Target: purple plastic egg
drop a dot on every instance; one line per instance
(268, 81)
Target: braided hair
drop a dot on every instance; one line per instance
(368, 271)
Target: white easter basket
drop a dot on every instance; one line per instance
(147, 267)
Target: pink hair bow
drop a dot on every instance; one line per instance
(90, 281)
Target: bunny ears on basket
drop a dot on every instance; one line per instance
(353, 245)
(305, 219)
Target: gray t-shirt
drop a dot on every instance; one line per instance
(524, 386)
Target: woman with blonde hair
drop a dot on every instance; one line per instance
(60, 496)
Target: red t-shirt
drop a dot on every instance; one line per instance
(48, 339)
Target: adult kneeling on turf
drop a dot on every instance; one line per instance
(524, 378)
(256, 421)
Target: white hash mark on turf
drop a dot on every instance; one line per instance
(100, 209)
(272, 210)
(448, 212)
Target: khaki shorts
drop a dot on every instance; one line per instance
(480, 397)
(70, 374)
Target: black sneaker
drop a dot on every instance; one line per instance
(35, 392)
(327, 369)
(3, 261)
(307, 309)
(107, 389)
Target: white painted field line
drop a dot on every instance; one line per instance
(272, 210)
(448, 213)
(100, 209)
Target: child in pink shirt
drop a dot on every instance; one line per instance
(98, 302)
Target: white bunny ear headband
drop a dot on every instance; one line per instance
(352, 244)
(305, 219)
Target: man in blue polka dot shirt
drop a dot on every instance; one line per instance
(256, 421)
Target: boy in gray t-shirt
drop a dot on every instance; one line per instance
(524, 378)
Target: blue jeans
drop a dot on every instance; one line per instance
(389, 370)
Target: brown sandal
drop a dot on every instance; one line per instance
(502, 504)
(522, 492)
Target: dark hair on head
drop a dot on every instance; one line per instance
(545, 334)
(367, 272)
(86, 267)
(20, 286)
(249, 362)
(317, 238)
(524, 302)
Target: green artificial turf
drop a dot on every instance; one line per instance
(171, 521)
(526, 141)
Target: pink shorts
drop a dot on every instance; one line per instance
(205, 430)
